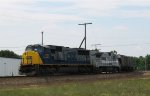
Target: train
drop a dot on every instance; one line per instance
(50, 59)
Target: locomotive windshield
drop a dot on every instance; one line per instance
(37, 48)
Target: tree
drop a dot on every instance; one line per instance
(9, 54)
(142, 62)
(147, 61)
(136, 63)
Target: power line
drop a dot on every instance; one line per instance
(12, 46)
(95, 45)
(119, 45)
(9, 47)
(124, 45)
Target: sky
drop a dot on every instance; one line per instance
(121, 25)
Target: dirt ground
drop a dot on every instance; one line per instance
(11, 82)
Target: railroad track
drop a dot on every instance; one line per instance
(54, 79)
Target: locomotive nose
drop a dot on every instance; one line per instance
(31, 58)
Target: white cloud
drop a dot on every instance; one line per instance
(135, 13)
(97, 5)
(138, 48)
(121, 28)
(11, 8)
(136, 2)
(113, 8)
(12, 3)
(109, 4)
(37, 16)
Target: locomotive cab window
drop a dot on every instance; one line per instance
(37, 48)
(29, 48)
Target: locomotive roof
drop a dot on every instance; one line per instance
(57, 46)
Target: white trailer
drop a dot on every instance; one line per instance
(9, 66)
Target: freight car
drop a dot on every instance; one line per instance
(49, 59)
(126, 63)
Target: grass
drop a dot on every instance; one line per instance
(130, 87)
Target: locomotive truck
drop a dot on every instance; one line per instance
(49, 59)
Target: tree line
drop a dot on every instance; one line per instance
(142, 62)
(9, 54)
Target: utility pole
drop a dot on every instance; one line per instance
(84, 39)
(42, 37)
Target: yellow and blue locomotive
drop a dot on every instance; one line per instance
(38, 59)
